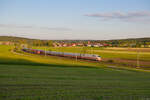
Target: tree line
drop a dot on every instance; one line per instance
(137, 42)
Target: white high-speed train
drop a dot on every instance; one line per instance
(64, 54)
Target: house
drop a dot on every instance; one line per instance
(95, 45)
(64, 45)
(79, 44)
(105, 45)
(100, 45)
(73, 45)
(88, 45)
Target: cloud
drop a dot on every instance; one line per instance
(35, 27)
(124, 16)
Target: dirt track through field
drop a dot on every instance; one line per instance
(144, 64)
(129, 49)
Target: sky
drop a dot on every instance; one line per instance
(75, 19)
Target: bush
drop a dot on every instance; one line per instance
(110, 61)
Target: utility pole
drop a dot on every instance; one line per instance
(91, 50)
(138, 55)
(45, 51)
(76, 58)
(81, 51)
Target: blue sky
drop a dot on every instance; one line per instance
(75, 19)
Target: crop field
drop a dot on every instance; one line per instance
(124, 56)
(26, 76)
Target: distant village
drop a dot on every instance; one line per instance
(77, 44)
(63, 44)
(89, 44)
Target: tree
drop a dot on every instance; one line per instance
(50, 43)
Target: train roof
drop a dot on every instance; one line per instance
(76, 54)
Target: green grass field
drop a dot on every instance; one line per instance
(26, 76)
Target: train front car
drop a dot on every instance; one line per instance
(98, 58)
(90, 57)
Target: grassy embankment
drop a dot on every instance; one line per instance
(123, 56)
(30, 77)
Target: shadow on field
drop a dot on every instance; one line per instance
(14, 61)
